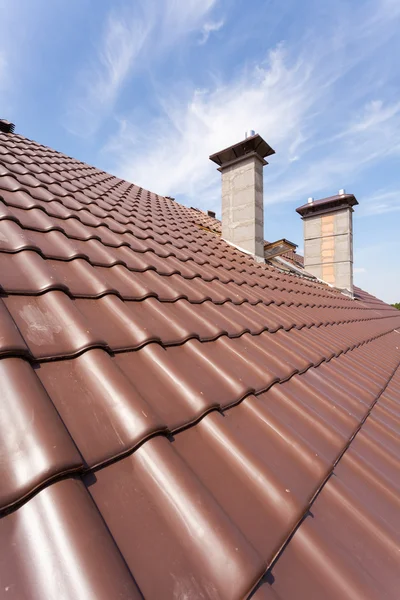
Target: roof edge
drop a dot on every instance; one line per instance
(332, 203)
(254, 144)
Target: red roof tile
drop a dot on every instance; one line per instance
(178, 420)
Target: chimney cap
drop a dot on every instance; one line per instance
(249, 133)
(325, 205)
(251, 145)
(310, 200)
(342, 192)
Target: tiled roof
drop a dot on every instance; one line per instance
(214, 225)
(176, 418)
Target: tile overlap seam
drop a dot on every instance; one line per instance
(166, 433)
(326, 479)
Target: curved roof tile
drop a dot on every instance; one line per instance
(177, 420)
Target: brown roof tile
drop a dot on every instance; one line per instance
(34, 444)
(176, 418)
(57, 543)
(348, 543)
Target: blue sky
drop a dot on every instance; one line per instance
(147, 89)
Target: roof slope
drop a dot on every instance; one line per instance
(172, 411)
(214, 225)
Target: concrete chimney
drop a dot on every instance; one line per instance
(328, 239)
(241, 168)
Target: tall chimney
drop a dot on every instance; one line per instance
(241, 168)
(328, 239)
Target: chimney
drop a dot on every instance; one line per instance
(241, 168)
(328, 239)
(6, 126)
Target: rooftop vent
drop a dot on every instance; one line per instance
(6, 126)
(211, 214)
(249, 133)
(310, 200)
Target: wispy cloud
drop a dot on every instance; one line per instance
(375, 114)
(340, 159)
(180, 18)
(99, 82)
(209, 28)
(179, 142)
(287, 97)
(150, 26)
(382, 202)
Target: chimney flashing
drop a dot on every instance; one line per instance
(259, 259)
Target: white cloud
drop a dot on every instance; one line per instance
(150, 26)
(287, 98)
(382, 202)
(99, 83)
(172, 157)
(180, 17)
(375, 114)
(209, 28)
(362, 142)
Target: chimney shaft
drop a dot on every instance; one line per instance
(241, 168)
(328, 239)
